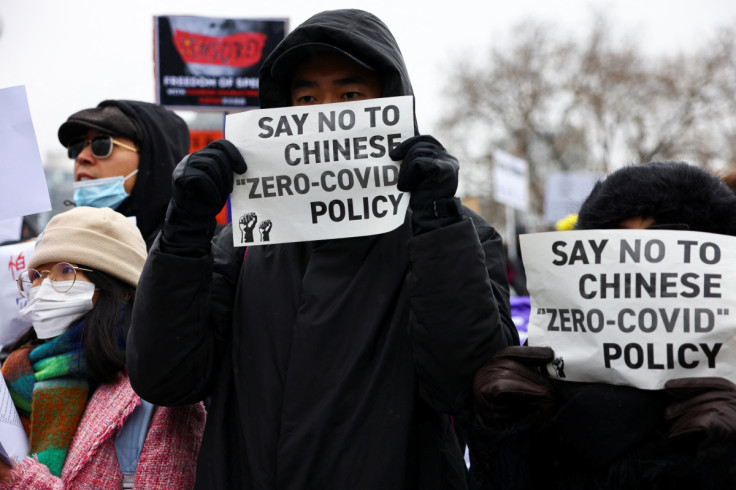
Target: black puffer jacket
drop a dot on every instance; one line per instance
(332, 364)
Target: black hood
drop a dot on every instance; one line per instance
(357, 32)
(165, 141)
(672, 193)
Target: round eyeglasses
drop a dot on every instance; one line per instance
(62, 277)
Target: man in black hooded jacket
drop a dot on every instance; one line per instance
(135, 142)
(333, 364)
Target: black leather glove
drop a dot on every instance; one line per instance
(430, 174)
(511, 385)
(706, 404)
(202, 183)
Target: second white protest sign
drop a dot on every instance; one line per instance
(633, 307)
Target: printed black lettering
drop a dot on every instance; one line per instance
(372, 115)
(692, 287)
(375, 144)
(551, 325)
(611, 352)
(263, 124)
(287, 154)
(598, 249)
(578, 318)
(564, 319)
(359, 146)
(318, 209)
(711, 354)
(650, 358)
(283, 127)
(253, 186)
(710, 286)
(283, 183)
(268, 186)
(557, 250)
(681, 356)
(395, 200)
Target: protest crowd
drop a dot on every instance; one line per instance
(157, 347)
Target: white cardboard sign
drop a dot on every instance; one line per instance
(319, 172)
(633, 307)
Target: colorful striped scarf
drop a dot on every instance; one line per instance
(50, 386)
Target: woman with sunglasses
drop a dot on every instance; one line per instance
(67, 376)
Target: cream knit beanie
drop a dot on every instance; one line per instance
(99, 238)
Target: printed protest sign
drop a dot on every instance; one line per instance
(633, 307)
(212, 62)
(319, 172)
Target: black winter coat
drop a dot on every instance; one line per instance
(328, 365)
(599, 436)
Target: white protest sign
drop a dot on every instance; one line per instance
(23, 186)
(564, 192)
(319, 172)
(15, 259)
(633, 307)
(510, 180)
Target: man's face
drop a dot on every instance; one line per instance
(121, 162)
(333, 78)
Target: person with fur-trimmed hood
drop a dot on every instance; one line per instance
(534, 432)
(329, 364)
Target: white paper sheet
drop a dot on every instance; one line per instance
(319, 172)
(13, 439)
(23, 187)
(633, 307)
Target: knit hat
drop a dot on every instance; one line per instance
(108, 119)
(672, 193)
(99, 238)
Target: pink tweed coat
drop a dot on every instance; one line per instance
(168, 459)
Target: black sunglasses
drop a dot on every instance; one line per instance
(101, 146)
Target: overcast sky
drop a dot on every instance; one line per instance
(72, 54)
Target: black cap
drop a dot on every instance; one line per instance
(287, 62)
(108, 119)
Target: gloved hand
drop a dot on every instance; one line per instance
(202, 183)
(511, 385)
(430, 174)
(707, 404)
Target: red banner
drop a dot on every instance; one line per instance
(241, 49)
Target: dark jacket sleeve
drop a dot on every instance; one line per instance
(460, 307)
(182, 318)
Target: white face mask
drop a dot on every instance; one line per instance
(52, 312)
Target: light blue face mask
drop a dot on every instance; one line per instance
(101, 193)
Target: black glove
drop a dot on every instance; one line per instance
(706, 404)
(430, 174)
(202, 183)
(511, 385)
